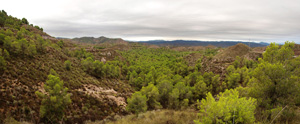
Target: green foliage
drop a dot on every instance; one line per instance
(53, 72)
(137, 82)
(200, 90)
(2, 38)
(60, 43)
(40, 44)
(244, 75)
(184, 104)
(8, 32)
(16, 46)
(286, 52)
(273, 54)
(32, 50)
(24, 20)
(54, 101)
(11, 22)
(193, 78)
(68, 65)
(233, 80)
(152, 94)
(237, 76)
(229, 108)
(137, 103)
(3, 16)
(174, 99)
(99, 69)
(87, 64)
(170, 73)
(55, 46)
(237, 62)
(208, 83)
(2, 64)
(274, 83)
(4, 53)
(184, 91)
(164, 87)
(250, 63)
(198, 65)
(149, 78)
(8, 43)
(293, 66)
(20, 35)
(83, 54)
(37, 27)
(22, 45)
(211, 52)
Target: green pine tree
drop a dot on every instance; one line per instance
(54, 101)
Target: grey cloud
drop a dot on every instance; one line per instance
(259, 20)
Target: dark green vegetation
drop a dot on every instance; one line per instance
(99, 40)
(54, 100)
(41, 76)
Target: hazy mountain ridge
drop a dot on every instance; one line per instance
(98, 40)
(202, 43)
(174, 43)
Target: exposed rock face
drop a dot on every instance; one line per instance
(101, 93)
(103, 59)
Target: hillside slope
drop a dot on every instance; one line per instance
(99, 40)
(233, 51)
(30, 54)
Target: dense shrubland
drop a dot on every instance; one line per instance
(54, 100)
(269, 85)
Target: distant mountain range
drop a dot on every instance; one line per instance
(174, 43)
(202, 43)
(98, 40)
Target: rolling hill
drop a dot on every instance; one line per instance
(99, 40)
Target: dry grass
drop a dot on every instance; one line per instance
(156, 117)
(11, 120)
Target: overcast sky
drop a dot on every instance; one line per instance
(257, 20)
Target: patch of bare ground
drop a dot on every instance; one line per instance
(101, 93)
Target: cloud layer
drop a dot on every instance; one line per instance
(258, 20)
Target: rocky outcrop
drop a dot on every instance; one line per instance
(101, 93)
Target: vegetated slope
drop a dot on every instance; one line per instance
(29, 55)
(233, 51)
(202, 43)
(156, 117)
(99, 40)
